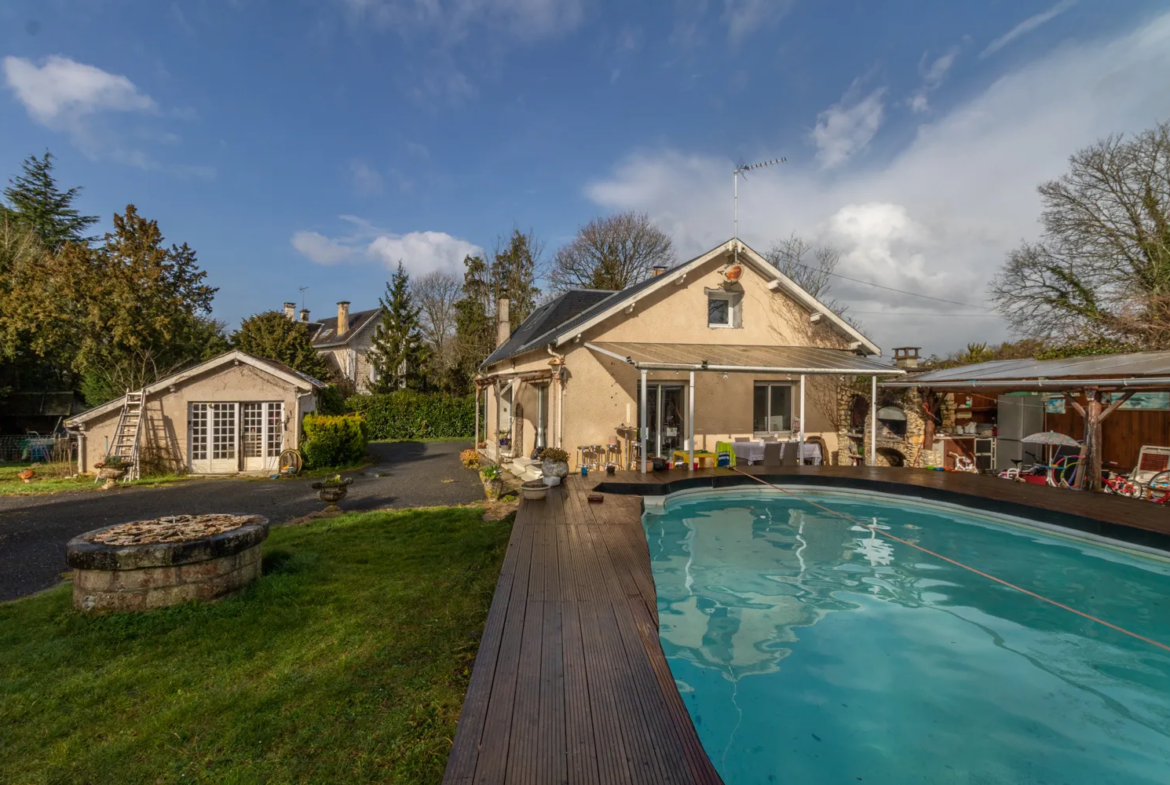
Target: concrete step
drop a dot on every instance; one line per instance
(525, 469)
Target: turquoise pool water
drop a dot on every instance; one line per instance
(810, 650)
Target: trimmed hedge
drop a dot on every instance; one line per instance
(413, 415)
(333, 440)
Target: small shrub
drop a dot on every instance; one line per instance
(490, 472)
(331, 400)
(470, 459)
(554, 454)
(333, 440)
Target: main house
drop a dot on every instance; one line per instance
(718, 348)
(344, 341)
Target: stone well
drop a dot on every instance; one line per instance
(144, 565)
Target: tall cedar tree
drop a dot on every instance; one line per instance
(475, 329)
(398, 354)
(274, 336)
(513, 274)
(35, 201)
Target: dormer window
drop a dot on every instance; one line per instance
(723, 308)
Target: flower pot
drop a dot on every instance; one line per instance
(555, 469)
(493, 489)
(111, 475)
(534, 490)
(332, 494)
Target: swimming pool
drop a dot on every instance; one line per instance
(809, 649)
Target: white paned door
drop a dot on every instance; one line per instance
(213, 435)
(262, 435)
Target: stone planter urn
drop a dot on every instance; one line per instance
(493, 488)
(111, 475)
(332, 493)
(555, 469)
(144, 565)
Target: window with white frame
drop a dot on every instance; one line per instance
(771, 407)
(723, 308)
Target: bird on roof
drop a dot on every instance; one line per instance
(26, 475)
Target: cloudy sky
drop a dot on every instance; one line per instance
(315, 144)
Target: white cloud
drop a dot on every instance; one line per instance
(846, 127)
(451, 19)
(933, 73)
(749, 16)
(1027, 26)
(321, 249)
(366, 180)
(939, 216)
(64, 95)
(420, 252)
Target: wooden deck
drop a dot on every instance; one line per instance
(571, 684)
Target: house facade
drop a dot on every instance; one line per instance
(234, 413)
(344, 341)
(723, 346)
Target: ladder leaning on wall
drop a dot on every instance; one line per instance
(125, 441)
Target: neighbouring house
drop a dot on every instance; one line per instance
(344, 341)
(234, 413)
(718, 348)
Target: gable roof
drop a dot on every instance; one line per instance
(324, 331)
(281, 371)
(605, 307)
(533, 330)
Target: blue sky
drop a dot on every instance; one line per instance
(315, 143)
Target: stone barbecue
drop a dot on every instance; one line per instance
(144, 565)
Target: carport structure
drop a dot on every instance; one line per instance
(1105, 382)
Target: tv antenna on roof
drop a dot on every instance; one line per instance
(303, 288)
(743, 169)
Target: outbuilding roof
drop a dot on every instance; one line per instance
(1140, 369)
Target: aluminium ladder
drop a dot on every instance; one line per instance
(125, 442)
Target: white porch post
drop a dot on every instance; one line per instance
(644, 430)
(800, 448)
(478, 395)
(873, 421)
(691, 425)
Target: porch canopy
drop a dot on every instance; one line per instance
(1097, 377)
(709, 358)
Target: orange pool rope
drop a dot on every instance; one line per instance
(1001, 581)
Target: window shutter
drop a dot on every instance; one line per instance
(737, 311)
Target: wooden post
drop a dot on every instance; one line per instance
(1091, 449)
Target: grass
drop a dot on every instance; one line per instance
(347, 662)
(51, 478)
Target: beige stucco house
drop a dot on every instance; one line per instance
(234, 413)
(720, 347)
(344, 341)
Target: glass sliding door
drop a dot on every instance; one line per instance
(771, 408)
(542, 416)
(666, 416)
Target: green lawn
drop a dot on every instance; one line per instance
(44, 482)
(347, 662)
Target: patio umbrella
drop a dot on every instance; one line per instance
(1051, 439)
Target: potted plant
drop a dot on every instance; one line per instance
(111, 469)
(504, 439)
(331, 490)
(554, 463)
(493, 483)
(534, 490)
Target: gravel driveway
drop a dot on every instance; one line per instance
(34, 529)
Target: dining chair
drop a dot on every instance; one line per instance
(772, 455)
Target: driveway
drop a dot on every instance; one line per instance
(34, 529)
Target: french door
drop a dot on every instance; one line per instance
(262, 434)
(664, 415)
(224, 438)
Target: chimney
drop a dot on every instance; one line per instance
(503, 328)
(906, 357)
(290, 311)
(304, 314)
(342, 318)
(658, 270)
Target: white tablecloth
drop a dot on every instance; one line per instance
(753, 452)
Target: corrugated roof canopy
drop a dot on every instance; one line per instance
(1142, 369)
(761, 359)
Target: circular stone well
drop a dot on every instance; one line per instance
(144, 565)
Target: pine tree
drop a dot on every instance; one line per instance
(35, 201)
(475, 329)
(514, 273)
(398, 354)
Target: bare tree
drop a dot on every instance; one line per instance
(611, 253)
(1102, 267)
(811, 267)
(436, 294)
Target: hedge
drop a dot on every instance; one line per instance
(333, 440)
(413, 415)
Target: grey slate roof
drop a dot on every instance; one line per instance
(551, 316)
(324, 331)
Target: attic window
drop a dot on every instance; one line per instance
(723, 309)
